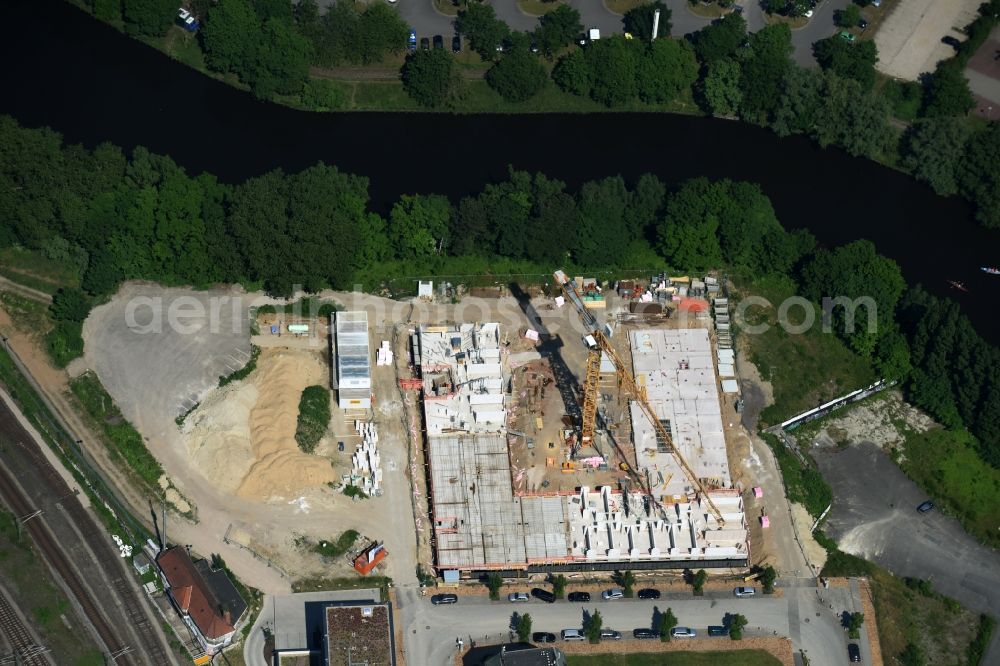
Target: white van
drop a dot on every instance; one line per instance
(572, 635)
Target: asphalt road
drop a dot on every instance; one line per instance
(431, 631)
(875, 517)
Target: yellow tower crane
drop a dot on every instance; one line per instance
(597, 342)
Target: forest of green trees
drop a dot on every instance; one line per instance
(115, 217)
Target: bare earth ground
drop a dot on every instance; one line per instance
(983, 73)
(909, 41)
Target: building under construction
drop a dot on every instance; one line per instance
(480, 524)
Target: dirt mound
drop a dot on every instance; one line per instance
(243, 437)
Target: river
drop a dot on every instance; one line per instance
(67, 71)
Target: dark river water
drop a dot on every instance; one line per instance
(69, 72)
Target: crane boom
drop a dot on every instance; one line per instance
(601, 343)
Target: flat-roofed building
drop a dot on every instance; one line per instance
(352, 378)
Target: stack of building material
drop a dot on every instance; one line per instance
(722, 322)
(383, 355)
(366, 460)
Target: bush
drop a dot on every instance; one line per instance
(323, 95)
(338, 547)
(243, 372)
(314, 417)
(65, 342)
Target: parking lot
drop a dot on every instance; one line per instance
(874, 516)
(909, 40)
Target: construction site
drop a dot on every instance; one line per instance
(530, 471)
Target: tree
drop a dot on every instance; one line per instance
(419, 225)
(721, 87)
(559, 586)
(688, 233)
(627, 580)
(847, 59)
(854, 622)
(557, 29)
(947, 91)
(933, 151)
(979, 174)
(665, 621)
(848, 17)
(666, 69)
(381, 30)
(698, 582)
(230, 33)
(485, 32)
(848, 117)
(69, 304)
(282, 60)
(517, 76)
(639, 20)
(767, 62)
(523, 627)
(572, 73)
(721, 39)
(856, 271)
(602, 237)
(613, 70)
(767, 578)
(735, 622)
(269, 9)
(108, 10)
(430, 77)
(494, 582)
(149, 18)
(592, 624)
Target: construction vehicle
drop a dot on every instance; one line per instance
(598, 342)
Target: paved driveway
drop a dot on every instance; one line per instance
(803, 613)
(874, 516)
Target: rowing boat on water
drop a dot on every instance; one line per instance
(991, 270)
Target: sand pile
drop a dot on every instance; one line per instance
(243, 437)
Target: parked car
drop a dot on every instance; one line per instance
(717, 630)
(543, 637)
(515, 597)
(534, 47)
(186, 20)
(853, 652)
(425, 44)
(951, 41)
(613, 593)
(579, 596)
(456, 43)
(808, 14)
(411, 41)
(645, 633)
(846, 35)
(611, 635)
(926, 507)
(648, 593)
(744, 592)
(439, 599)
(683, 632)
(572, 635)
(438, 42)
(862, 23)
(544, 595)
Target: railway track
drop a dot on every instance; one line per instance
(26, 650)
(151, 649)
